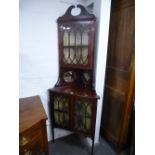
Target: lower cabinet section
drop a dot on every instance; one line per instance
(74, 109)
(74, 113)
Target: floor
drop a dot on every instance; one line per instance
(74, 145)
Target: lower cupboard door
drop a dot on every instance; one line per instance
(83, 116)
(61, 111)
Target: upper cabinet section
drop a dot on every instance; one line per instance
(76, 39)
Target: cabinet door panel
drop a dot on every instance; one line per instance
(61, 110)
(76, 43)
(83, 111)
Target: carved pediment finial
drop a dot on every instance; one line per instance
(84, 14)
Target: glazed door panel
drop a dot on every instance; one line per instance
(118, 83)
(84, 111)
(61, 111)
(76, 43)
(74, 113)
(83, 115)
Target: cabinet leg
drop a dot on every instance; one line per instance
(53, 134)
(92, 149)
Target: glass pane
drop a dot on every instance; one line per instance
(66, 106)
(79, 122)
(84, 56)
(80, 108)
(72, 38)
(56, 117)
(72, 54)
(85, 38)
(66, 119)
(79, 116)
(60, 105)
(88, 123)
(66, 55)
(78, 38)
(66, 38)
(75, 60)
(60, 117)
(55, 103)
(89, 110)
(78, 54)
(83, 112)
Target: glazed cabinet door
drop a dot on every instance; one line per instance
(61, 111)
(84, 111)
(76, 46)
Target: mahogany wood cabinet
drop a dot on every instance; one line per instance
(119, 82)
(32, 127)
(73, 100)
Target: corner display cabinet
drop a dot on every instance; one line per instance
(73, 100)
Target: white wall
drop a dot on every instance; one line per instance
(102, 12)
(38, 68)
